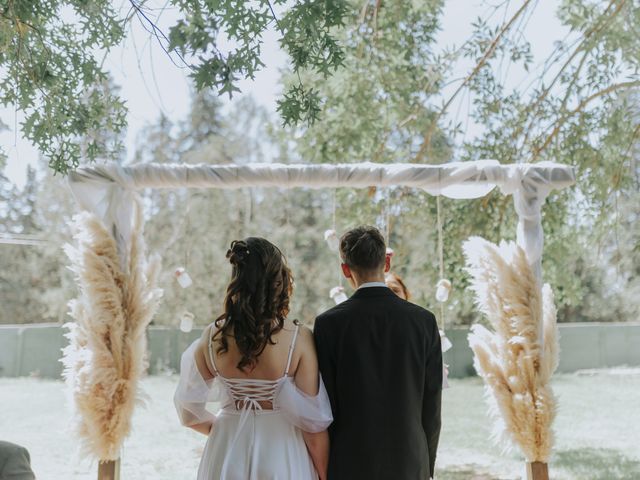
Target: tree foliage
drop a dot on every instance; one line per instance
(52, 53)
(377, 106)
(580, 106)
(50, 70)
(193, 228)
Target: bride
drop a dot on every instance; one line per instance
(263, 371)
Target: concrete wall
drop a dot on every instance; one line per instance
(582, 346)
(166, 346)
(31, 350)
(35, 349)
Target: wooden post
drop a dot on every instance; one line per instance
(109, 470)
(537, 471)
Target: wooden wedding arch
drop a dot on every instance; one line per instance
(108, 192)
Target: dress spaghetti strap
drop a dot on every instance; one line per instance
(213, 362)
(291, 348)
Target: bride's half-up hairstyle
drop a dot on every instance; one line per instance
(257, 300)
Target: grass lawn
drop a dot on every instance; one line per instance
(597, 431)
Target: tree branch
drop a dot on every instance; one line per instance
(600, 24)
(157, 33)
(426, 143)
(560, 123)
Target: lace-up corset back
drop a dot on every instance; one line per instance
(254, 394)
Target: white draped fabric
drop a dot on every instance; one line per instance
(108, 190)
(454, 180)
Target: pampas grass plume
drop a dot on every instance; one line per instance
(106, 355)
(509, 358)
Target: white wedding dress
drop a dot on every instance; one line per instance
(247, 441)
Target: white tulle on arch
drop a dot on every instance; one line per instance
(108, 190)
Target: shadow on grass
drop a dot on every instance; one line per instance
(466, 472)
(596, 464)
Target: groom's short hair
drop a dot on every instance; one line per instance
(363, 249)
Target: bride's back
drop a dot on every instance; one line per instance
(251, 339)
(270, 364)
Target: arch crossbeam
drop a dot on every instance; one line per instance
(108, 190)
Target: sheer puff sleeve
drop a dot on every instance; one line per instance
(310, 413)
(194, 392)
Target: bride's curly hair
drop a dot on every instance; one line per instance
(257, 300)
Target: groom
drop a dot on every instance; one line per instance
(381, 362)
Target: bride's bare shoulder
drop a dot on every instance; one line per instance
(305, 336)
(207, 333)
(202, 350)
(291, 325)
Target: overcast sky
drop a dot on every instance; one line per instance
(150, 83)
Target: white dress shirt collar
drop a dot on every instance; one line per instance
(372, 284)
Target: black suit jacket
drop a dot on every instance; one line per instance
(381, 361)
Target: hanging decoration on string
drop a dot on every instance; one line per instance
(289, 242)
(387, 227)
(387, 223)
(183, 277)
(186, 321)
(443, 288)
(390, 252)
(337, 293)
(186, 318)
(180, 274)
(331, 237)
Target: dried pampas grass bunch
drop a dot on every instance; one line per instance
(515, 368)
(106, 355)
